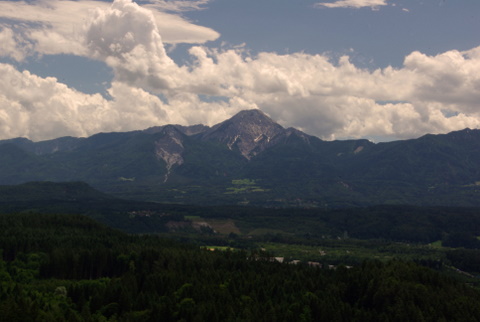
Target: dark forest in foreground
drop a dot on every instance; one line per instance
(59, 267)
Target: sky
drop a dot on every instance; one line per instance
(337, 69)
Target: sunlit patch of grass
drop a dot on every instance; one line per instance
(244, 186)
(436, 244)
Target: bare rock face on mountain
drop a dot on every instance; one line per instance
(250, 132)
(169, 147)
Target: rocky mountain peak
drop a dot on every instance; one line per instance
(250, 132)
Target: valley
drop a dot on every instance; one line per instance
(345, 236)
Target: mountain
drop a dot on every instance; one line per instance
(78, 198)
(250, 159)
(65, 191)
(249, 132)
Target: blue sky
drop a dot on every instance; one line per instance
(379, 37)
(376, 69)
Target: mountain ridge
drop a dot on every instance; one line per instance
(249, 158)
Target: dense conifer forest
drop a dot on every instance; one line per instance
(70, 268)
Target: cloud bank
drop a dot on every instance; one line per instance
(328, 98)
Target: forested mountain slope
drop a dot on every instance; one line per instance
(250, 159)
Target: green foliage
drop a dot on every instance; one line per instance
(247, 182)
(465, 259)
(69, 268)
(244, 186)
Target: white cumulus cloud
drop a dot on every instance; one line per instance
(337, 99)
(43, 108)
(126, 37)
(374, 4)
(13, 46)
(177, 5)
(57, 26)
